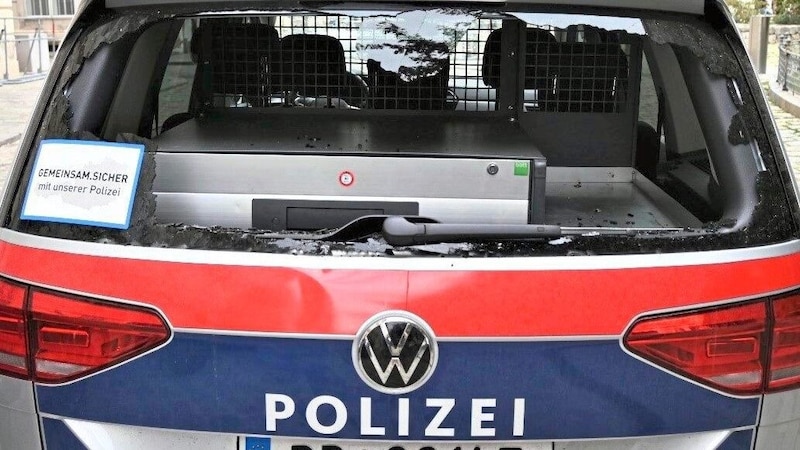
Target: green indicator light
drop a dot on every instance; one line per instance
(522, 168)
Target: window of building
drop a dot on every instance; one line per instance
(50, 7)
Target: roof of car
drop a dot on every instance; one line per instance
(683, 6)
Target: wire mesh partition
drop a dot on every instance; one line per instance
(376, 63)
(586, 70)
(235, 58)
(344, 29)
(474, 74)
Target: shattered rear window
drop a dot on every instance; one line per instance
(449, 131)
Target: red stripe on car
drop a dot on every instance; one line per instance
(454, 303)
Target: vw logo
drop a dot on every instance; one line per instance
(395, 352)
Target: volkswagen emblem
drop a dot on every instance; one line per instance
(395, 352)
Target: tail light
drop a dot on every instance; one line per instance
(785, 352)
(50, 337)
(742, 349)
(13, 347)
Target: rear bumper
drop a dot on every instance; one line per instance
(66, 433)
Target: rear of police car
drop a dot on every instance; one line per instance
(303, 225)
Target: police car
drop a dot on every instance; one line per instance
(299, 225)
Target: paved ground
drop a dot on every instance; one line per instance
(16, 105)
(789, 127)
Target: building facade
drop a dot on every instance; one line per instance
(48, 16)
(29, 31)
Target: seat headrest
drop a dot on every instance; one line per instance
(214, 37)
(238, 55)
(318, 53)
(539, 44)
(313, 65)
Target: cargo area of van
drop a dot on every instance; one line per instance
(292, 122)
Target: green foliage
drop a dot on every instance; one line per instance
(743, 10)
(786, 19)
(786, 11)
(787, 7)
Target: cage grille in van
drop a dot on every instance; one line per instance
(339, 62)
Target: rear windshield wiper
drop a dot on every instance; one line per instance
(418, 230)
(399, 231)
(355, 230)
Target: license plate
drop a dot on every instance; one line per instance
(264, 443)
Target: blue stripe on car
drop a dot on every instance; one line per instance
(572, 390)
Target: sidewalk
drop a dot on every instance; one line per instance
(789, 127)
(788, 124)
(17, 102)
(16, 105)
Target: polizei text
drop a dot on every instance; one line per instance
(328, 415)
